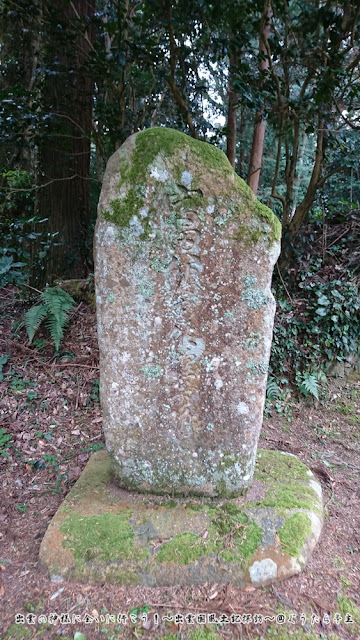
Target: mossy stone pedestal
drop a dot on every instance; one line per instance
(103, 533)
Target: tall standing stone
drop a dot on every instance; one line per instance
(184, 255)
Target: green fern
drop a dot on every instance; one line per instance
(272, 389)
(33, 319)
(308, 384)
(55, 308)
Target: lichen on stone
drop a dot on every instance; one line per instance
(152, 371)
(147, 289)
(255, 298)
(257, 368)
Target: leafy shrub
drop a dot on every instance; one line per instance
(56, 304)
(318, 327)
(20, 231)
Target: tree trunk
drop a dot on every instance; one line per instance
(242, 142)
(259, 125)
(303, 207)
(232, 114)
(64, 152)
(19, 34)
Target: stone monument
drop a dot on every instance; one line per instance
(184, 254)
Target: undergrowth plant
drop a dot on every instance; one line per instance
(5, 441)
(319, 325)
(54, 310)
(24, 240)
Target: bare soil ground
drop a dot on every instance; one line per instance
(50, 409)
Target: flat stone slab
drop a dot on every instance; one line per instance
(104, 534)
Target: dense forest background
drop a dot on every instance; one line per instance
(275, 84)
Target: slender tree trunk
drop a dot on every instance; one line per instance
(242, 141)
(179, 97)
(298, 176)
(303, 207)
(64, 154)
(232, 113)
(259, 126)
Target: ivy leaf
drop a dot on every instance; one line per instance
(321, 311)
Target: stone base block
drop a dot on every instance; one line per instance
(103, 533)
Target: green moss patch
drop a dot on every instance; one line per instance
(103, 537)
(294, 532)
(240, 536)
(152, 146)
(230, 534)
(185, 548)
(294, 492)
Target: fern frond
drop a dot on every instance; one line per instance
(272, 389)
(57, 303)
(33, 319)
(309, 385)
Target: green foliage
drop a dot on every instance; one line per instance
(3, 361)
(24, 241)
(308, 382)
(5, 441)
(319, 327)
(138, 611)
(7, 273)
(272, 389)
(56, 304)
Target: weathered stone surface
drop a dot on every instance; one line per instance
(183, 261)
(103, 533)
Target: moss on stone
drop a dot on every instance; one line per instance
(169, 504)
(185, 548)
(106, 537)
(242, 536)
(194, 506)
(230, 533)
(247, 235)
(262, 211)
(295, 492)
(274, 464)
(153, 146)
(244, 544)
(294, 532)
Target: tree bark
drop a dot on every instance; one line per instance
(259, 125)
(19, 34)
(64, 153)
(303, 207)
(233, 98)
(242, 142)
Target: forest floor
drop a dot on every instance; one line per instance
(50, 409)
